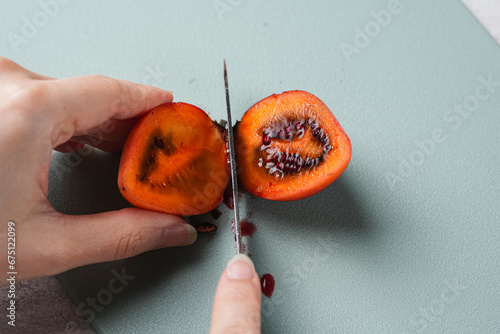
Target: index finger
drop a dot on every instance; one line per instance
(82, 103)
(10, 69)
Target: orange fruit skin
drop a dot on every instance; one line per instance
(289, 105)
(187, 174)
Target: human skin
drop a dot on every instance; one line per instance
(39, 114)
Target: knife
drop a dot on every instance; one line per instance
(234, 179)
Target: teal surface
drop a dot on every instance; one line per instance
(406, 241)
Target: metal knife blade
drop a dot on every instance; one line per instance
(234, 176)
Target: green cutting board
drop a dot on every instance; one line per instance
(406, 241)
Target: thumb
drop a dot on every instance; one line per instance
(237, 299)
(57, 242)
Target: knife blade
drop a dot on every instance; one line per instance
(234, 176)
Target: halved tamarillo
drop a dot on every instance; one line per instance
(174, 161)
(290, 146)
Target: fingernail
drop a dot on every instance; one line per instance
(179, 235)
(240, 267)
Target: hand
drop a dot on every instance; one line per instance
(237, 299)
(38, 114)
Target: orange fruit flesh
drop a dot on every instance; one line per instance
(174, 161)
(253, 156)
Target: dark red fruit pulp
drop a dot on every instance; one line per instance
(267, 285)
(247, 228)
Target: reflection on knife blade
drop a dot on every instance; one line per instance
(234, 179)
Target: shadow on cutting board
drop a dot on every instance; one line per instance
(336, 210)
